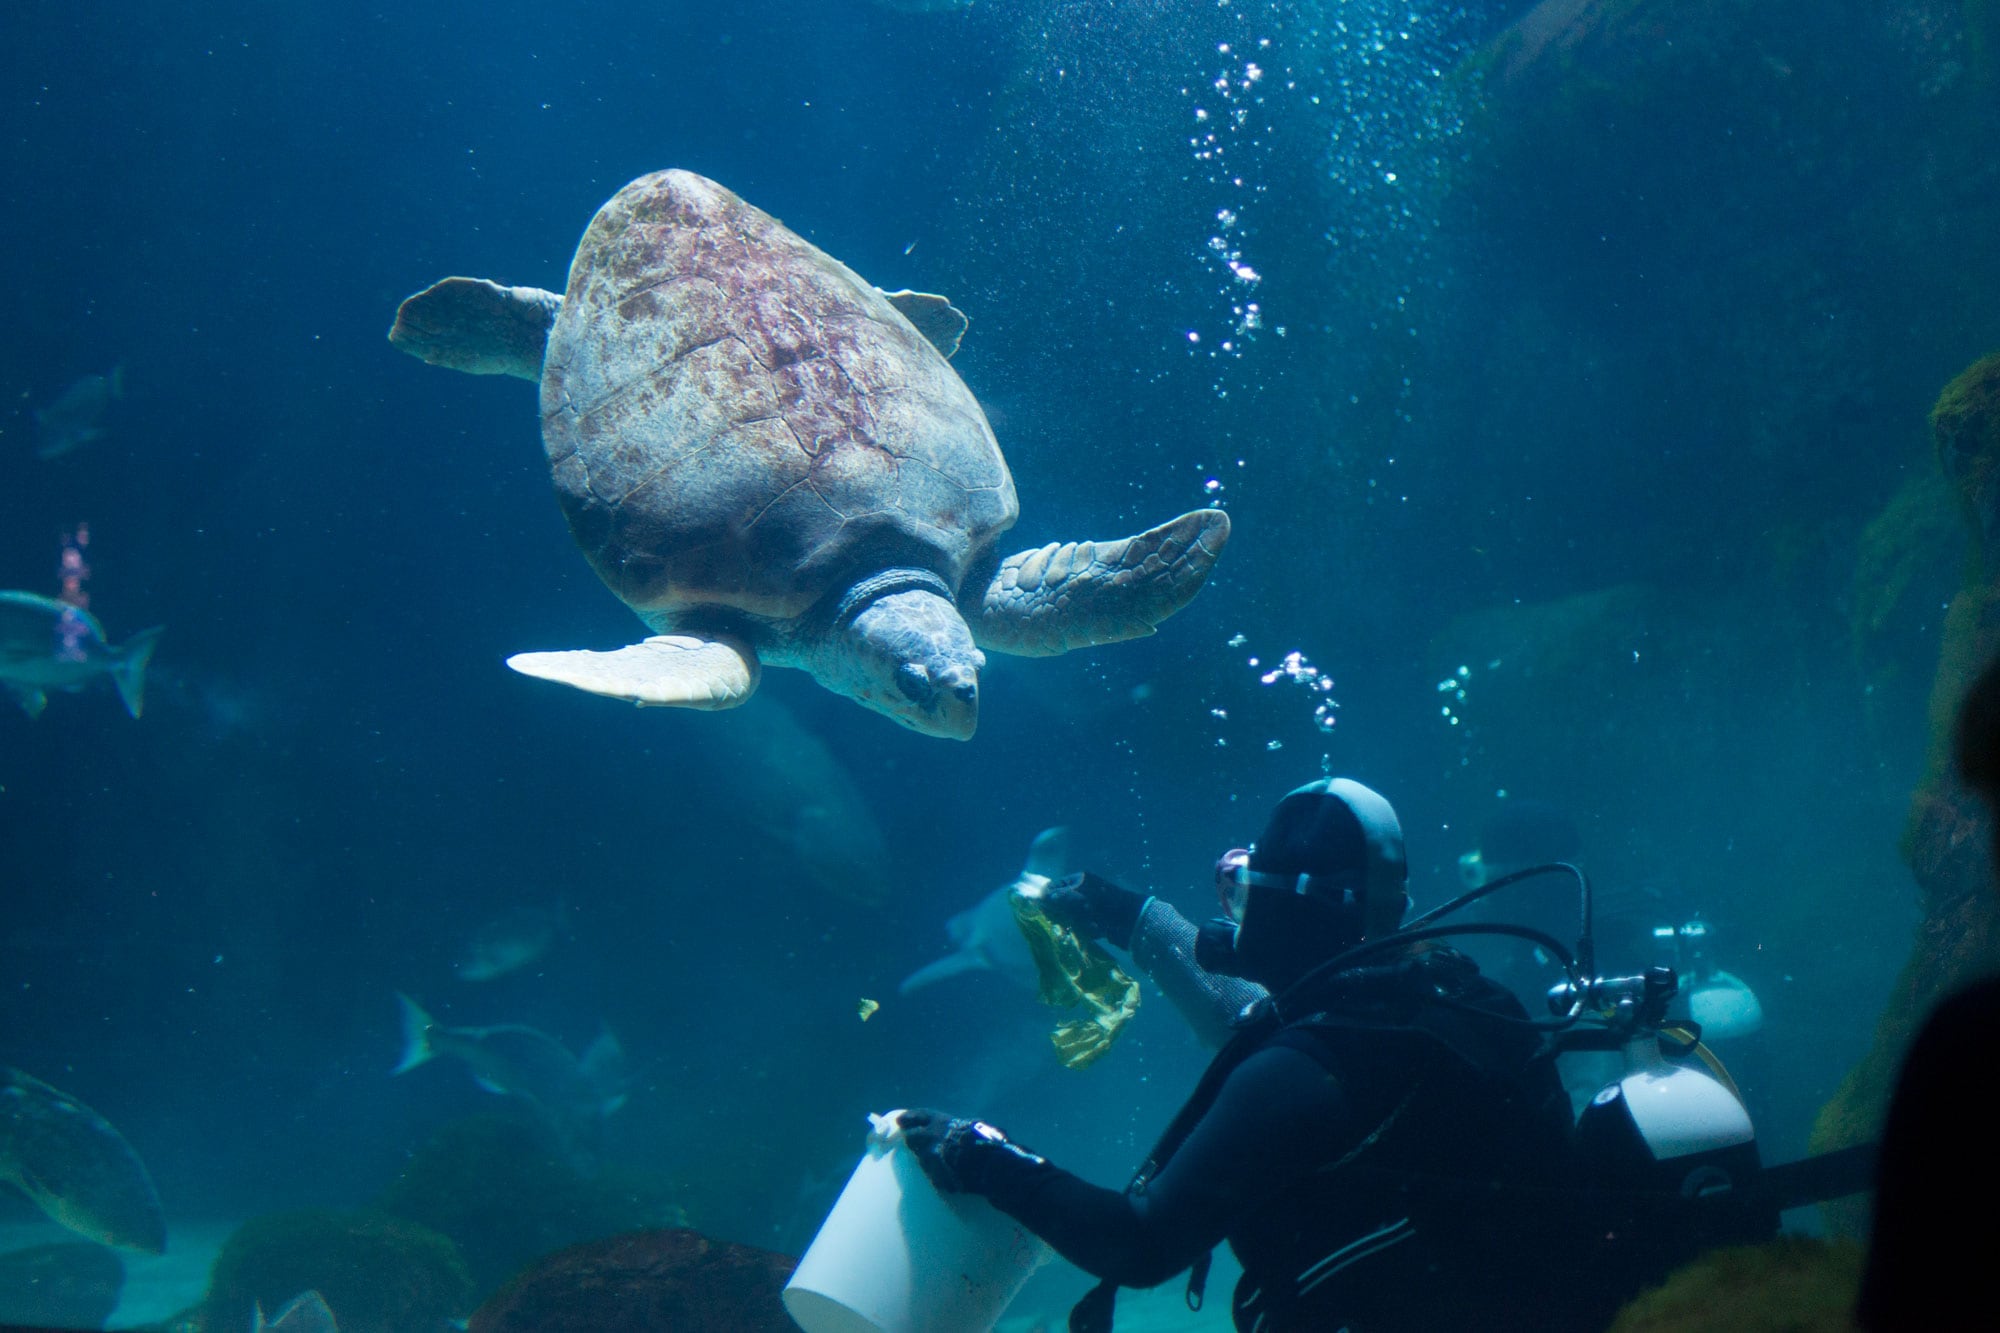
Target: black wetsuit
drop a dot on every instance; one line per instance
(1350, 1157)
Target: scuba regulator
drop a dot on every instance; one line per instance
(1673, 1120)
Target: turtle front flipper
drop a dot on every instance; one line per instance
(478, 327)
(1044, 602)
(669, 669)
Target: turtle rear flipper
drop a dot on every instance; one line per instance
(670, 669)
(942, 323)
(478, 327)
(1047, 601)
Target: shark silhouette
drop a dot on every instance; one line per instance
(984, 936)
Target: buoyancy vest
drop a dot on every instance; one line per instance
(1443, 1086)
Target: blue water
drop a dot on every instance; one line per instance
(1686, 345)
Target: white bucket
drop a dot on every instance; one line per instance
(895, 1256)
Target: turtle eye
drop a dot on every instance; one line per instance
(914, 682)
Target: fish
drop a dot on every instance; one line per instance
(76, 417)
(511, 941)
(46, 644)
(511, 1060)
(75, 1167)
(985, 935)
(306, 1312)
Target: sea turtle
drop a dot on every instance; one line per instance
(769, 460)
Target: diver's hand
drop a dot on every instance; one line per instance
(957, 1155)
(1094, 908)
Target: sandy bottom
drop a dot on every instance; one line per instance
(157, 1286)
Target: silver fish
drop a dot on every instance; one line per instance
(76, 417)
(306, 1312)
(48, 645)
(75, 1167)
(517, 1061)
(985, 936)
(511, 941)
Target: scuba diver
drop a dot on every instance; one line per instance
(1383, 1139)
(1633, 927)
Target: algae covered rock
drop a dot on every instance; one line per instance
(378, 1274)
(1793, 1285)
(646, 1281)
(1965, 423)
(1909, 561)
(500, 1189)
(1947, 837)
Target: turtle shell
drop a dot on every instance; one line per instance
(734, 418)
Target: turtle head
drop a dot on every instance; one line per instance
(909, 653)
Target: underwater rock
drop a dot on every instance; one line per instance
(1910, 560)
(377, 1274)
(60, 1286)
(1965, 426)
(1661, 84)
(1768, 156)
(500, 1188)
(1947, 837)
(1793, 1285)
(1609, 663)
(649, 1280)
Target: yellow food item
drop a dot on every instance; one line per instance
(1070, 972)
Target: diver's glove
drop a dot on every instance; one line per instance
(959, 1156)
(1094, 908)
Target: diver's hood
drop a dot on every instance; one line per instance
(1328, 870)
(1344, 845)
